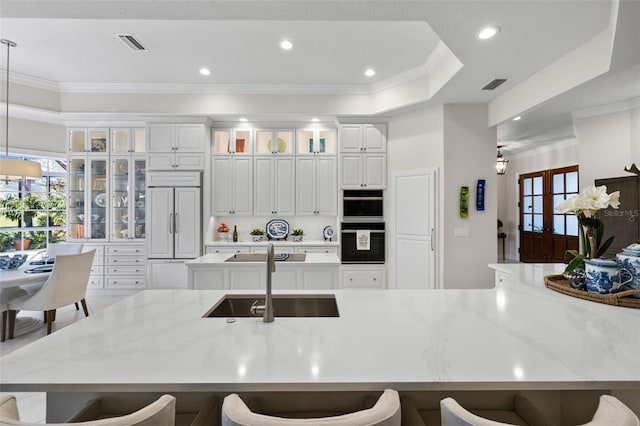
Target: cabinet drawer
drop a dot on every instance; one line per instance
(95, 281)
(126, 251)
(126, 270)
(263, 250)
(126, 282)
(362, 279)
(228, 250)
(112, 260)
(97, 269)
(317, 250)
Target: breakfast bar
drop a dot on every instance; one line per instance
(518, 336)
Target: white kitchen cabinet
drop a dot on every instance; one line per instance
(363, 138)
(89, 197)
(264, 144)
(363, 171)
(227, 249)
(90, 141)
(363, 277)
(274, 185)
(96, 276)
(232, 142)
(128, 197)
(174, 222)
(319, 278)
(276, 249)
(316, 142)
(316, 189)
(247, 278)
(176, 146)
(128, 140)
(313, 249)
(253, 277)
(166, 274)
(125, 266)
(232, 185)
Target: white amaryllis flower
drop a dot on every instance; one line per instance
(589, 201)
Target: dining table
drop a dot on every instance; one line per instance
(11, 282)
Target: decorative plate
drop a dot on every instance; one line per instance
(101, 200)
(328, 232)
(277, 229)
(282, 145)
(123, 167)
(98, 145)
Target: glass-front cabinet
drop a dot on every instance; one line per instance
(316, 141)
(265, 142)
(233, 141)
(88, 200)
(125, 140)
(127, 197)
(90, 141)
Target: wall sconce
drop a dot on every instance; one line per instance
(14, 166)
(501, 163)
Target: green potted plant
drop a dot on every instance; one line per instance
(297, 234)
(257, 234)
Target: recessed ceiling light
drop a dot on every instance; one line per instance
(315, 119)
(205, 71)
(243, 119)
(518, 118)
(370, 72)
(286, 44)
(488, 32)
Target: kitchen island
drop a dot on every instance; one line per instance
(518, 336)
(297, 271)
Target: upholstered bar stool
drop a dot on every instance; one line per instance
(385, 412)
(524, 413)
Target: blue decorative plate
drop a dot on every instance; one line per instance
(328, 232)
(277, 229)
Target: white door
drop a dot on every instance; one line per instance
(305, 185)
(326, 186)
(413, 229)
(375, 137)
(242, 194)
(351, 165)
(374, 171)
(187, 223)
(222, 186)
(263, 184)
(161, 138)
(190, 138)
(350, 138)
(284, 177)
(160, 223)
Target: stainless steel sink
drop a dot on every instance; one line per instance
(302, 305)
(258, 257)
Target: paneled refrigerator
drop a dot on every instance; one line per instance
(174, 231)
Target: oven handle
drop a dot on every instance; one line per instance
(373, 231)
(361, 198)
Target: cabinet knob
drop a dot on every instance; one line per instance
(350, 279)
(374, 279)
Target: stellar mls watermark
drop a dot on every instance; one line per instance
(631, 214)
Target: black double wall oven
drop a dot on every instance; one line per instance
(362, 229)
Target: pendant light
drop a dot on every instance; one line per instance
(13, 166)
(501, 163)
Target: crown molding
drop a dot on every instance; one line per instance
(27, 80)
(607, 109)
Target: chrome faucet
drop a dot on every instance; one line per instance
(267, 308)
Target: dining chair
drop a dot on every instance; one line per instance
(523, 413)
(4, 308)
(52, 251)
(611, 411)
(159, 413)
(67, 284)
(385, 412)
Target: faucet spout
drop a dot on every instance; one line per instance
(268, 301)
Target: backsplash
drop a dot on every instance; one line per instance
(312, 226)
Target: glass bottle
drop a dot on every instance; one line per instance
(235, 234)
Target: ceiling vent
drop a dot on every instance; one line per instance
(494, 83)
(132, 42)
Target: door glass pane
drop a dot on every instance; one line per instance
(528, 222)
(120, 197)
(572, 225)
(558, 224)
(139, 140)
(558, 184)
(528, 204)
(537, 204)
(264, 144)
(537, 223)
(77, 140)
(527, 186)
(221, 140)
(98, 140)
(243, 141)
(139, 197)
(120, 140)
(572, 182)
(285, 142)
(537, 185)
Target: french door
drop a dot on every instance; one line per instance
(545, 235)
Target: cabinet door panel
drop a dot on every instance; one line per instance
(161, 162)
(247, 279)
(190, 138)
(242, 194)
(187, 223)
(222, 194)
(160, 236)
(305, 185)
(326, 181)
(284, 174)
(189, 161)
(351, 171)
(264, 193)
(161, 138)
(319, 279)
(375, 175)
(375, 137)
(350, 137)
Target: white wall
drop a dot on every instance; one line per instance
(415, 141)
(563, 154)
(469, 155)
(608, 143)
(36, 136)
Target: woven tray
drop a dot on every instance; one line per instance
(561, 285)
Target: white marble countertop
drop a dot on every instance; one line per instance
(519, 335)
(218, 259)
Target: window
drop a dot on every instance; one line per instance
(33, 211)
